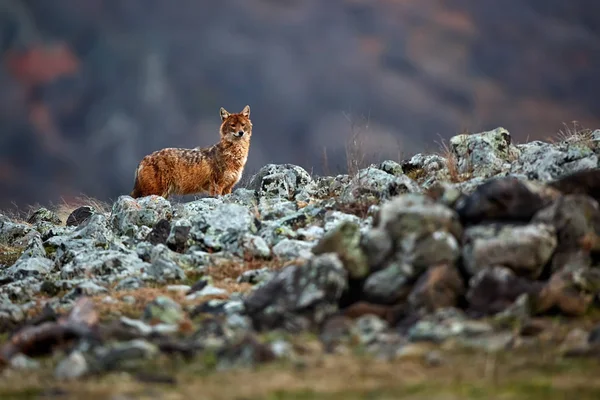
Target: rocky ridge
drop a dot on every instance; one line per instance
(471, 248)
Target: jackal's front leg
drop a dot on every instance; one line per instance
(227, 189)
(215, 190)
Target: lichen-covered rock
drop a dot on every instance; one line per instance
(415, 215)
(122, 355)
(439, 287)
(30, 267)
(164, 264)
(34, 249)
(74, 366)
(323, 187)
(22, 290)
(111, 264)
(22, 362)
(163, 309)
(447, 323)
(196, 207)
(438, 247)
(80, 215)
(391, 284)
(576, 220)
(179, 237)
(44, 215)
(10, 314)
(288, 225)
(63, 249)
(312, 233)
(519, 312)
(427, 164)
(391, 167)
(415, 224)
(245, 352)
(506, 199)
(254, 246)
(222, 227)
(159, 233)
(208, 290)
(445, 193)
(255, 276)
(565, 293)
(494, 288)
(95, 228)
(525, 249)
(274, 232)
(242, 196)
(48, 230)
(377, 246)
(335, 332)
(298, 296)
(130, 283)
(334, 218)
(367, 328)
(86, 289)
(344, 240)
(128, 214)
(271, 208)
(587, 279)
(374, 184)
(292, 248)
(545, 161)
(484, 154)
(279, 180)
(14, 233)
(585, 182)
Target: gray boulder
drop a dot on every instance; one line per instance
(545, 161)
(374, 184)
(298, 296)
(484, 154)
(128, 214)
(280, 180)
(525, 249)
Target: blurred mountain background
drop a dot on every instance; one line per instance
(91, 86)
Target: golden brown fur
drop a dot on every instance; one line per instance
(214, 170)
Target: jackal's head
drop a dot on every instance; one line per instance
(235, 127)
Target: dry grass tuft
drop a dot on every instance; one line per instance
(64, 209)
(20, 214)
(360, 207)
(451, 163)
(574, 134)
(230, 270)
(356, 157)
(118, 305)
(9, 254)
(417, 174)
(225, 274)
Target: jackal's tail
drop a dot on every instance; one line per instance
(135, 193)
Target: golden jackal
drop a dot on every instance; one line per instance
(214, 169)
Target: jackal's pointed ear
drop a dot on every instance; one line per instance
(224, 113)
(246, 112)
